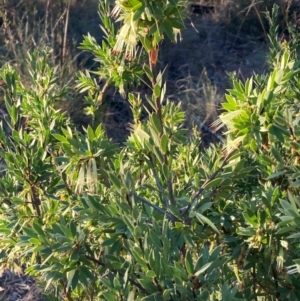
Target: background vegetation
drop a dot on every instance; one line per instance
(229, 38)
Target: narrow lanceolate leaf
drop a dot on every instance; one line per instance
(204, 220)
(189, 263)
(213, 183)
(203, 269)
(157, 123)
(90, 133)
(164, 143)
(70, 276)
(277, 155)
(166, 172)
(60, 138)
(157, 90)
(115, 180)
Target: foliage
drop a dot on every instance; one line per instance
(120, 58)
(156, 219)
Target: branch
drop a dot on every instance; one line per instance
(185, 209)
(157, 208)
(66, 293)
(254, 282)
(132, 281)
(166, 201)
(277, 294)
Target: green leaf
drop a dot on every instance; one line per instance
(37, 228)
(138, 256)
(175, 24)
(70, 276)
(146, 68)
(164, 143)
(90, 133)
(73, 229)
(65, 247)
(189, 263)
(204, 219)
(278, 133)
(204, 207)
(276, 175)
(251, 220)
(157, 90)
(115, 180)
(147, 285)
(61, 138)
(30, 232)
(295, 184)
(203, 269)
(166, 172)
(277, 155)
(158, 155)
(157, 123)
(286, 229)
(150, 274)
(213, 183)
(109, 296)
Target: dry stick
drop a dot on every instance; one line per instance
(248, 11)
(66, 31)
(62, 12)
(47, 21)
(261, 22)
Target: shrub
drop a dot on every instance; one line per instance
(156, 219)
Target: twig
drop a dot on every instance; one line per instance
(152, 63)
(166, 201)
(262, 286)
(66, 31)
(67, 295)
(208, 180)
(157, 208)
(132, 281)
(277, 294)
(47, 20)
(170, 190)
(254, 282)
